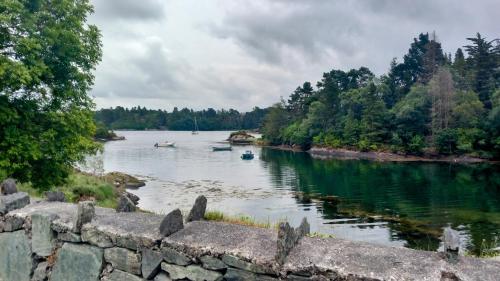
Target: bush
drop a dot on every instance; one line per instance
(416, 145)
(446, 141)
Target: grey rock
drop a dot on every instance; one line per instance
(287, 238)
(118, 275)
(171, 223)
(85, 214)
(15, 256)
(451, 243)
(191, 272)
(134, 198)
(134, 185)
(40, 273)
(172, 256)
(69, 237)
(162, 276)
(95, 237)
(303, 229)
(8, 186)
(212, 263)
(123, 259)
(236, 262)
(13, 202)
(151, 261)
(198, 211)
(125, 205)
(12, 224)
(55, 196)
(77, 262)
(42, 235)
(233, 274)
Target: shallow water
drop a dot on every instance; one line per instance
(279, 185)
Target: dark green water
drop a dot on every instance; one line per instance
(397, 204)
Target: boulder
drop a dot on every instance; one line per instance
(42, 235)
(8, 186)
(191, 272)
(198, 211)
(15, 256)
(123, 259)
(151, 261)
(55, 196)
(171, 223)
(13, 201)
(125, 205)
(134, 198)
(85, 214)
(77, 262)
(118, 275)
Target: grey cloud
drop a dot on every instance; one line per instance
(129, 9)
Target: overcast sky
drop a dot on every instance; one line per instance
(241, 54)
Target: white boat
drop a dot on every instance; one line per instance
(165, 144)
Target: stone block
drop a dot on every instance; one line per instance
(123, 259)
(85, 214)
(233, 274)
(118, 275)
(151, 261)
(162, 276)
(77, 262)
(40, 273)
(15, 256)
(248, 266)
(42, 235)
(95, 237)
(125, 205)
(198, 211)
(171, 223)
(175, 257)
(13, 202)
(191, 272)
(212, 263)
(69, 237)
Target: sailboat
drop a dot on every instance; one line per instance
(195, 132)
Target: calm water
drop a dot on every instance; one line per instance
(279, 185)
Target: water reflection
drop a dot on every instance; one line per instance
(415, 199)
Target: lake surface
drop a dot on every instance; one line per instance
(398, 204)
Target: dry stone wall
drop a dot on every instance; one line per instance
(50, 240)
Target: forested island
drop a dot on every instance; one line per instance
(430, 103)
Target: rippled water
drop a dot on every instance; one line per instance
(399, 204)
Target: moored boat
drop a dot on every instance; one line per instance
(165, 144)
(222, 148)
(248, 155)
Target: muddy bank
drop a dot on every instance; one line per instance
(326, 153)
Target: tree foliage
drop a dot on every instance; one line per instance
(47, 55)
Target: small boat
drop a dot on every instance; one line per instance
(195, 131)
(222, 148)
(165, 144)
(248, 155)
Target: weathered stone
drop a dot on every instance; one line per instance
(451, 243)
(118, 275)
(12, 224)
(8, 186)
(69, 237)
(198, 211)
(40, 273)
(77, 262)
(125, 205)
(123, 259)
(55, 196)
(15, 256)
(98, 238)
(151, 261)
(303, 229)
(172, 256)
(134, 198)
(212, 263)
(191, 272)
(233, 274)
(42, 235)
(236, 262)
(162, 276)
(13, 202)
(287, 238)
(171, 223)
(85, 214)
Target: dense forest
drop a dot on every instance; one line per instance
(430, 103)
(140, 118)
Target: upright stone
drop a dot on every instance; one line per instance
(286, 240)
(85, 214)
(198, 211)
(303, 229)
(123, 259)
(8, 186)
(451, 243)
(77, 263)
(151, 261)
(171, 223)
(125, 205)
(55, 196)
(15, 256)
(42, 239)
(13, 202)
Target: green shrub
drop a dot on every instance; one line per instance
(416, 144)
